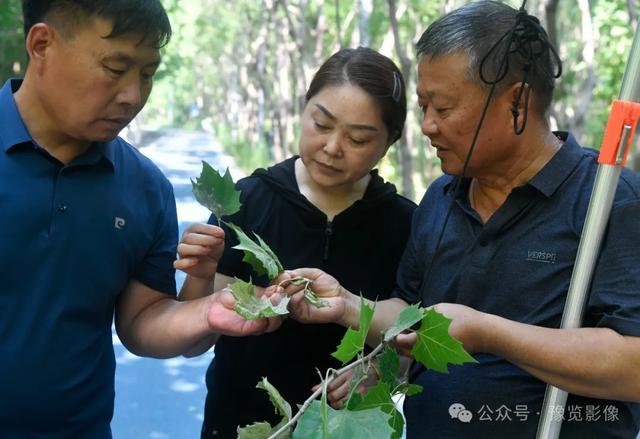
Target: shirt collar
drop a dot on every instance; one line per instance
(553, 174)
(13, 131)
(556, 171)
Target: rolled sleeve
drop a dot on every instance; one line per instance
(156, 270)
(615, 291)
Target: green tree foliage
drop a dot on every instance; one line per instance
(240, 69)
(12, 53)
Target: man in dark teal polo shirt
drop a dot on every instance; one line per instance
(504, 264)
(87, 223)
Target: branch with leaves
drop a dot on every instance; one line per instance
(374, 414)
(218, 194)
(369, 416)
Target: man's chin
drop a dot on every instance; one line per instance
(106, 136)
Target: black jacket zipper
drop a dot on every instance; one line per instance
(327, 233)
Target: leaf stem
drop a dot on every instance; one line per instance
(335, 375)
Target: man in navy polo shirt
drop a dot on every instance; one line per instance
(504, 265)
(88, 224)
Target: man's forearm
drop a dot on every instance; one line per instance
(195, 288)
(592, 362)
(169, 328)
(386, 312)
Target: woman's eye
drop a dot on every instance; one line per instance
(357, 141)
(320, 126)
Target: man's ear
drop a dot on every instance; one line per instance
(521, 98)
(39, 39)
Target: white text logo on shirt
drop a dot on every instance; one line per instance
(119, 223)
(544, 257)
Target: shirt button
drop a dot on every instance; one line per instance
(62, 207)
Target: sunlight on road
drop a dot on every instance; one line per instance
(164, 399)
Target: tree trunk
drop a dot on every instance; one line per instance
(633, 16)
(406, 159)
(364, 12)
(551, 12)
(338, 25)
(585, 93)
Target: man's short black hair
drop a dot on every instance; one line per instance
(145, 17)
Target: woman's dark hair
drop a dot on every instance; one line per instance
(145, 17)
(374, 73)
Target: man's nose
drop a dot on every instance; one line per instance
(131, 94)
(428, 125)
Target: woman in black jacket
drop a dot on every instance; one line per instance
(326, 208)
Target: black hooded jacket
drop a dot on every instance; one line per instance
(361, 248)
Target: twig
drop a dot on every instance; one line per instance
(298, 280)
(315, 394)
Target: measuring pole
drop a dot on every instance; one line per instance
(616, 144)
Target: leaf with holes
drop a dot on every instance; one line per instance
(258, 255)
(216, 192)
(276, 399)
(313, 299)
(263, 430)
(252, 307)
(353, 341)
(434, 347)
(257, 430)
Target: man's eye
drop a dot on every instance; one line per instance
(116, 72)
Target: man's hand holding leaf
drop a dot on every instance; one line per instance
(222, 317)
(324, 286)
(436, 344)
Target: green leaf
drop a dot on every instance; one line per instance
(434, 347)
(251, 307)
(405, 320)
(360, 374)
(380, 396)
(308, 293)
(413, 389)
(258, 430)
(263, 430)
(314, 299)
(353, 341)
(345, 424)
(282, 406)
(215, 192)
(259, 256)
(389, 365)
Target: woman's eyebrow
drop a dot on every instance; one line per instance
(352, 126)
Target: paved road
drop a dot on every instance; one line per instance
(162, 399)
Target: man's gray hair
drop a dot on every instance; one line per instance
(474, 29)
